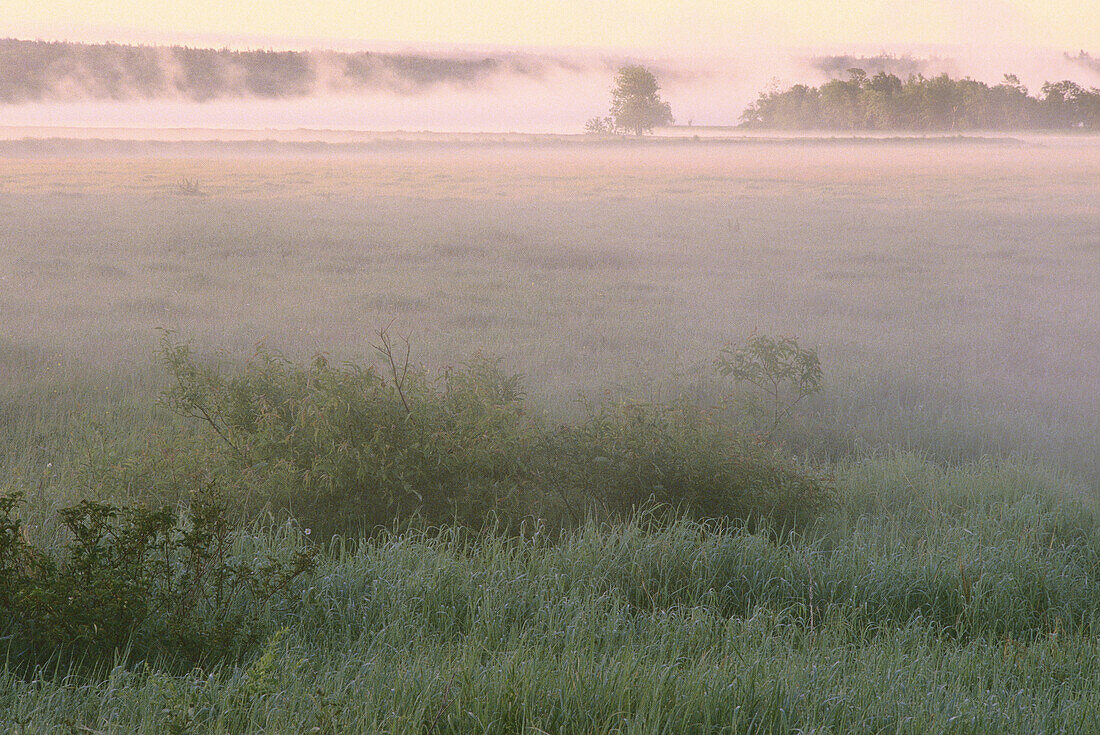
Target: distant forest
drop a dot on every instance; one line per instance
(1086, 60)
(883, 92)
(885, 102)
(36, 71)
(904, 66)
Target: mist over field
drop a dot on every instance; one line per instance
(951, 283)
(459, 90)
(452, 389)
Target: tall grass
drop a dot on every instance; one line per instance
(929, 597)
(689, 627)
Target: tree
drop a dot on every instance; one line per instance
(1066, 103)
(884, 102)
(635, 104)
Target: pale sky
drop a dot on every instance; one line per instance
(711, 25)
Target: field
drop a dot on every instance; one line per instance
(951, 287)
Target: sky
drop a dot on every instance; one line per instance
(715, 26)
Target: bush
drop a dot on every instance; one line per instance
(346, 447)
(782, 372)
(135, 580)
(629, 455)
(351, 448)
(600, 126)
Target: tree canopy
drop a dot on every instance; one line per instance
(885, 102)
(43, 71)
(635, 102)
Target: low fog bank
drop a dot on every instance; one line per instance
(336, 145)
(108, 85)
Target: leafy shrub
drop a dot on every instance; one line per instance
(783, 372)
(347, 447)
(629, 455)
(137, 579)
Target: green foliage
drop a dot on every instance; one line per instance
(635, 102)
(345, 448)
(348, 448)
(135, 581)
(15, 553)
(886, 102)
(628, 456)
(780, 369)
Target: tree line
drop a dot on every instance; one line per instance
(34, 71)
(886, 102)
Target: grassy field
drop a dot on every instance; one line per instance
(955, 601)
(951, 287)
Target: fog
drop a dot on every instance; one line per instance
(462, 90)
(362, 388)
(949, 284)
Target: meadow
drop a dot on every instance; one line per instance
(951, 288)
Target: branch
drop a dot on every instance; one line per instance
(398, 375)
(199, 412)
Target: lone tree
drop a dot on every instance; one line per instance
(635, 104)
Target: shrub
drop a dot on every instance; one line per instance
(148, 582)
(346, 447)
(189, 187)
(629, 455)
(783, 372)
(600, 126)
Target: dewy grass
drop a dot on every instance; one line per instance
(930, 598)
(641, 628)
